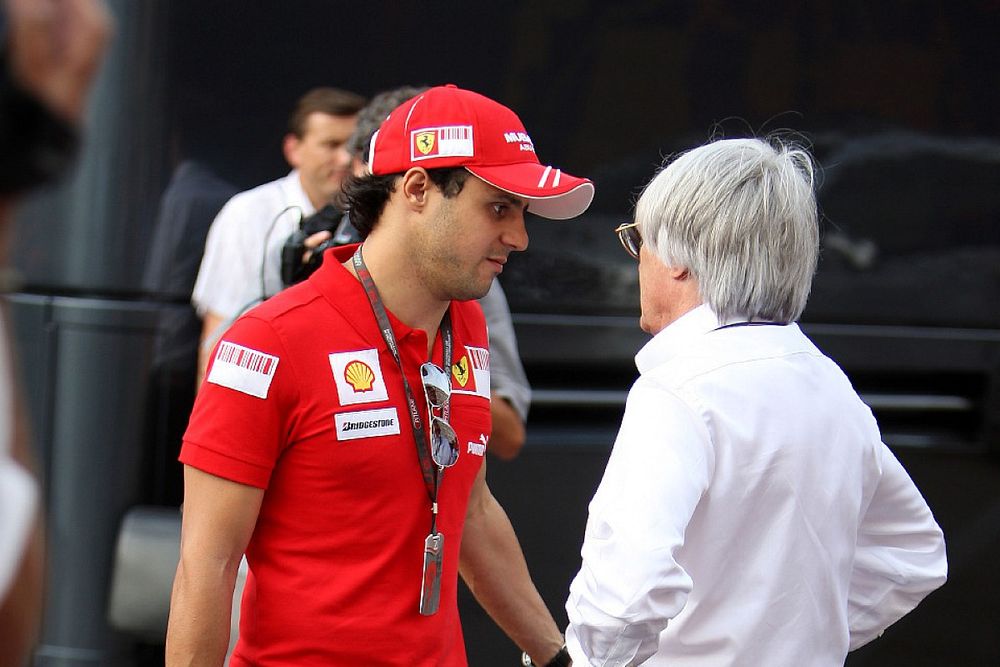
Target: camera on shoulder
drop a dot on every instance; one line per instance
(327, 219)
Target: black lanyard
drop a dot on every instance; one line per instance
(427, 467)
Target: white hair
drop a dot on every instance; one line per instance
(740, 215)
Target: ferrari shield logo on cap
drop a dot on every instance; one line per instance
(445, 141)
(424, 142)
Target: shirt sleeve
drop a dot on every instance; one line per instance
(243, 414)
(507, 376)
(630, 585)
(900, 556)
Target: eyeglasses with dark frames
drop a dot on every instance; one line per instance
(628, 234)
(437, 390)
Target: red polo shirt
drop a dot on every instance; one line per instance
(304, 399)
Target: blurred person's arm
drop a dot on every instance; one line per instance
(508, 433)
(492, 565)
(224, 281)
(21, 604)
(220, 287)
(218, 520)
(509, 388)
(211, 325)
(231, 274)
(21, 609)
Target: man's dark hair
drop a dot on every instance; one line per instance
(331, 101)
(365, 196)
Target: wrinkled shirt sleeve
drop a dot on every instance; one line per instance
(630, 585)
(900, 556)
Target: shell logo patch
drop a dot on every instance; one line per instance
(460, 371)
(358, 376)
(424, 142)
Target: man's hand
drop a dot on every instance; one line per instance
(55, 47)
(312, 242)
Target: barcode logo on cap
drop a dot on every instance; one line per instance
(446, 141)
(245, 370)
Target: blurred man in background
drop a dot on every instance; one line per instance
(51, 54)
(241, 264)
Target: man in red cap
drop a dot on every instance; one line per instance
(339, 439)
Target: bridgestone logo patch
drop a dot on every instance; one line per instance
(367, 424)
(243, 369)
(375, 423)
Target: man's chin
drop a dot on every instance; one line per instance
(472, 292)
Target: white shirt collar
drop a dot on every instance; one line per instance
(678, 334)
(675, 337)
(292, 184)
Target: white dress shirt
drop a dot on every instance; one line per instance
(749, 514)
(229, 279)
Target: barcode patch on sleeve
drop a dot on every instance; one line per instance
(243, 369)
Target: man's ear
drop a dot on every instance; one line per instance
(679, 273)
(416, 184)
(290, 147)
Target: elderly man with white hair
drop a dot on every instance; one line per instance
(750, 513)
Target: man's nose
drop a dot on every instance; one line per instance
(515, 235)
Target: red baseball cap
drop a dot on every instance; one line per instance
(447, 126)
